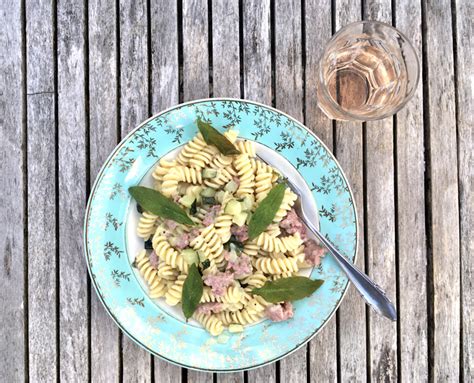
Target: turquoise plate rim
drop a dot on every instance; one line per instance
(88, 210)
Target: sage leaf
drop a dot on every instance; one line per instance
(192, 291)
(288, 289)
(213, 137)
(266, 210)
(156, 203)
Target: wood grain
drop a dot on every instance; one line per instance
(380, 210)
(413, 335)
(195, 50)
(41, 178)
(164, 55)
(323, 348)
(164, 94)
(465, 124)
(349, 152)
(195, 79)
(257, 68)
(226, 78)
(73, 313)
(225, 48)
(444, 230)
(133, 110)
(104, 358)
(12, 289)
(289, 99)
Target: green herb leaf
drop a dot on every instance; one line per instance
(192, 291)
(288, 289)
(213, 137)
(156, 203)
(266, 211)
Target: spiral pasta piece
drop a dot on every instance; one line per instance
(209, 243)
(257, 279)
(273, 230)
(157, 287)
(203, 157)
(190, 175)
(263, 184)
(194, 146)
(246, 175)
(211, 323)
(247, 147)
(167, 272)
(288, 274)
(146, 224)
(169, 255)
(208, 296)
(243, 317)
(223, 223)
(163, 167)
(233, 294)
(175, 291)
(289, 199)
(278, 245)
(276, 266)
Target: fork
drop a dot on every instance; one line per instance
(370, 291)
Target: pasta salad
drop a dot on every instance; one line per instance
(221, 237)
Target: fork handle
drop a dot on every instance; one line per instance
(370, 291)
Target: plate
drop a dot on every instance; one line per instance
(111, 243)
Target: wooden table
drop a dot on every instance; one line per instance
(77, 76)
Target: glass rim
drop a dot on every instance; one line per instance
(408, 97)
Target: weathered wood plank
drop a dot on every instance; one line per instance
(225, 48)
(73, 310)
(413, 336)
(195, 80)
(226, 78)
(257, 51)
(12, 347)
(349, 152)
(199, 377)
(322, 349)
(164, 54)
(465, 123)
(164, 94)
(289, 99)
(381, 225)
(257, 87)
(443, 190)
(102, 138)
(42, 294)
(195, 50)
(133, 110)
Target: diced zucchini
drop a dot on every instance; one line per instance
(187, 200)
(240, 218)
(247, 202)
(209, 173)
(233, 328)
(233, 207)
(208, 192)
(190, 256)
(231, 186)
(220, 196)
(182, 188)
